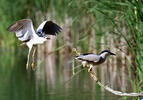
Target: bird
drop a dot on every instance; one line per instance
(25, 32)
(93, 59)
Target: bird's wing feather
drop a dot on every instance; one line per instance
(23, 28)
(51, 28)
(89, 57)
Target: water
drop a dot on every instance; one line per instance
(18, 84)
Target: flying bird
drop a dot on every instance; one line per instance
(25, 32)
(93, 59)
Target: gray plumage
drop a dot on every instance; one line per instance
(23, 29)
(94, 58)
(89, 57)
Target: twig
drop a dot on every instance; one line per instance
(119, 93)
(75, 74)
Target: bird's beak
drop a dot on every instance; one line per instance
(112, 53)
(47, 38)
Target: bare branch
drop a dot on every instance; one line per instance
(119, 93)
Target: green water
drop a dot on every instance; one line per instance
(18, 84)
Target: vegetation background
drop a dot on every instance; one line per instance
(89, 26)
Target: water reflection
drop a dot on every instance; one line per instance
(18, 84)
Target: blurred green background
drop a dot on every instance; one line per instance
(89, 26)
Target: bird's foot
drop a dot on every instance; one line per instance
(32, 65)
(89, 70)
(22, 44)
(27, 66)
(83, 64)
(48, 38)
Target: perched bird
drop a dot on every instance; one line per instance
(25, 32)
(93, 59)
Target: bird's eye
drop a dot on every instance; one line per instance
(39, 32)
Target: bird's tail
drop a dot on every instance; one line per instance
(77, 57)
(23, 44)
(48, 38)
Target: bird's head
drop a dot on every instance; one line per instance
(39, 33)
(106, 53)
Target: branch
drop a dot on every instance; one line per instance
(113, 91)
(119, 93)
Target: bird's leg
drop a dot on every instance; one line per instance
(34, 50)
(28, 56)
(90, 68)
(22, 44)
(84, 63)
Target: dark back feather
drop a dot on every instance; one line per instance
(84, 54)
(51, 28)
(104, 51)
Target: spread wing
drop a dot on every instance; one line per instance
(23, 28)
(88, 57)
(48, 28)
(51, 28)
